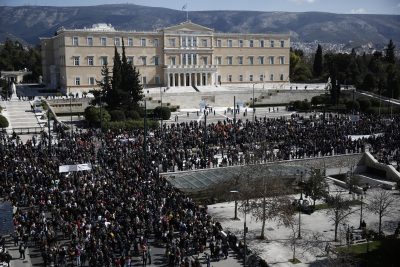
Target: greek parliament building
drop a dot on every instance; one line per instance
(186, 54)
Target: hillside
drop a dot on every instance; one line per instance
(28, 23)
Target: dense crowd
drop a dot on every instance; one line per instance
(106, 216)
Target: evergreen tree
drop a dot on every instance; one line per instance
(130, 85)
(117, 71)
(390, 57)
(105, 94)
(318, 67)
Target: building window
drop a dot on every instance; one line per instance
(156, 43)
(219, 43)
(90, 61)
(205, 60)
(75, 41)
(76, 61)
(229, 59)
(173, 61)
(272, 43)
(261, 60)
(229, 78)
(143, 42)
(240, 60)
(130, 41)
(281, 77)
(103, 41)
(251, 43)
(230, 43)
(144, 80)
(157, 80)
(117, 41)
(271, 60)
(240, 78)
(89, 41)
(282, 60)
(77, 80)
(219, 60)
(251, 77)
(240, 43)
(103, 61)
(156, 60)
(144, 61)
(204, 42)
(194, 42)
(91, 80)
(271, 77)
(172, 42)
(251, 60)
(282, 43)
(261, 77)
(129, 60)
(262, 43)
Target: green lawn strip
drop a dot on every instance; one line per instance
(295, 261)
(360, 248)
(326, 206)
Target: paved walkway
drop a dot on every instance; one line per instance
(19, 114)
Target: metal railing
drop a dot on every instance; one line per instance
(28, 130)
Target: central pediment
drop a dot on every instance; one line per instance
(187, 26)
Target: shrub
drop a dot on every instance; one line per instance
(132, 114)
(352, 105)
(162, 112)
(92, 115)
(117, 115)
(3, 122)
(365, 104)
(129, 125)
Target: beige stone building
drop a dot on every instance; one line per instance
(186, 54)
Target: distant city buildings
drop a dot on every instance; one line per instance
(186, 54)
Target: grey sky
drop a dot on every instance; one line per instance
(334, 6)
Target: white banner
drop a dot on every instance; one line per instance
(75, 168)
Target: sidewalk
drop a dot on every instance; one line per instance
(16, 260)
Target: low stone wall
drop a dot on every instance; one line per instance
(371, 162)
(74, 105)
(225, 98)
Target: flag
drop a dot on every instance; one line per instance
(184, 7)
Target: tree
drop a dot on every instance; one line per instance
(299, 71)
(316, 186)
(3, 122)
(94, 116)
(318, 67)
(381, 203)
(338, 211)
(273, 203)
(389, 56)
(369, 83)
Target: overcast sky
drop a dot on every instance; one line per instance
(334, 6)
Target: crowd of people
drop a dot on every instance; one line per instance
(107, 216)
(186, 146)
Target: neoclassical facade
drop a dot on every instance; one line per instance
(186, 54)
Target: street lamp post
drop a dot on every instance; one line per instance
(234, 120)
(300, 203)
(253, 102)
(205, 136)
(361, 210)
(48, 125)
(236, 203)
(244, 233)
(145, 138)
(161, 113)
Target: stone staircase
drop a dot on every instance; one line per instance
(20, 116)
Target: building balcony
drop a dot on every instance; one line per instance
(190, 67)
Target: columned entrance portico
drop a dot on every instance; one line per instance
(190, 76)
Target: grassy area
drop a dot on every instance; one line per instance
(384, 252)
(360, 248)
(295, 261)
(325, 205)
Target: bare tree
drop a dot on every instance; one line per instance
(338, 211)
(316, 186)
(381, 203)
